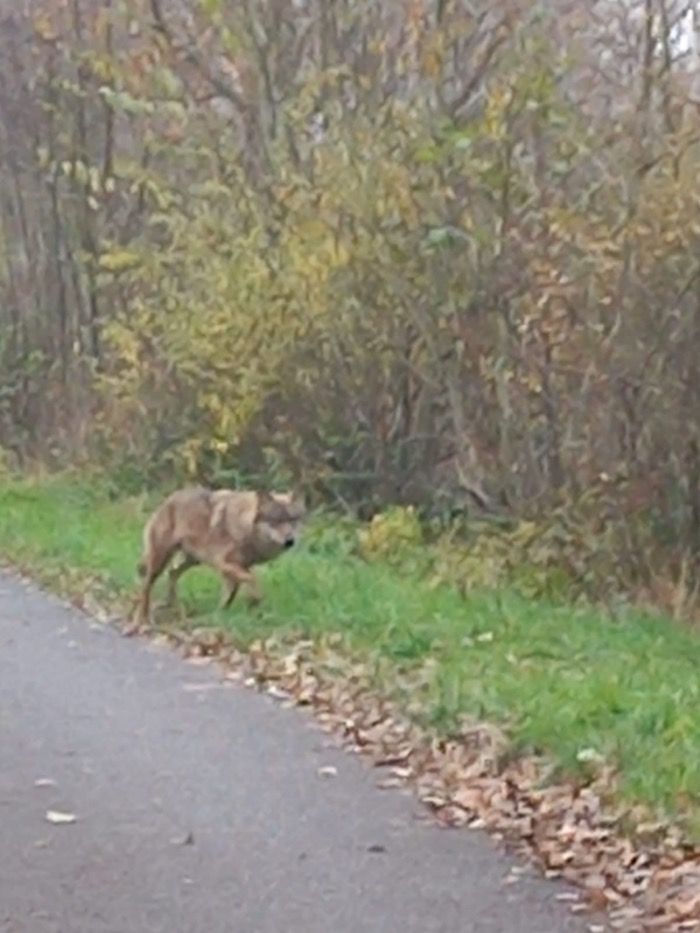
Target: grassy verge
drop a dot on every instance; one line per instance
(563, 681)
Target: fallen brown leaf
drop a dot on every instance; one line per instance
(58, 817)
(186, 840)
(327, 771)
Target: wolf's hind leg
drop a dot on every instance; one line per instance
(176, 572)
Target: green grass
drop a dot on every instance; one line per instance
(563, 680)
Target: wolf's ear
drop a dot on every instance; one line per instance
(264, 501)
(297, 503)
(292, 500)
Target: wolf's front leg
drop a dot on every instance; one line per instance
(254, 594)
(234, 575)
(228, 593)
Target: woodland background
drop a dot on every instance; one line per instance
(436, 253)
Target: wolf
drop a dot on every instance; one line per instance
(227, 530)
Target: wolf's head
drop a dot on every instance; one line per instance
(278, 522)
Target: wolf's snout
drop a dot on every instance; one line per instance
(289, 541)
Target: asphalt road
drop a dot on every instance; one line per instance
(199, 806)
